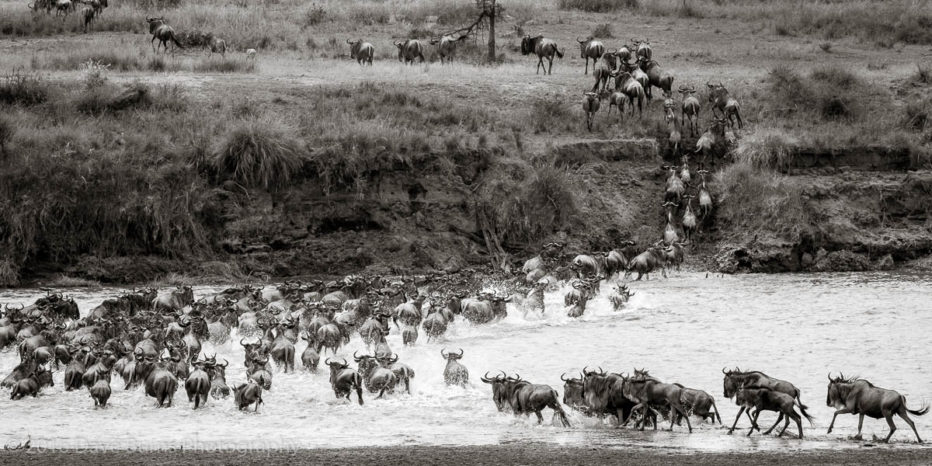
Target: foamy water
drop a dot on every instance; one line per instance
(684, 329)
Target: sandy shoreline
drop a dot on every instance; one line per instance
(496, 454)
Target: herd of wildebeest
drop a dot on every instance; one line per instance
(155, 339)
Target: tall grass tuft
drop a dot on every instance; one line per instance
(20, 88)
(599, 6)
(259, 153)
(754, 200)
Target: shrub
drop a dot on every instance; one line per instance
(603, 31)
(599, 6)
(6, 134)
(225, 65)
(829, 93)
(765, 149)
(916, 115)
(17, 87)
(756, 200)
(314, 15)
(258, 153)
(923, 74)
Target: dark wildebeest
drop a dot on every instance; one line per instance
(526, 398)
(649, 391)
(282, 350)
(164, 33)
(247, 394)
(310, 358)
(604, 394)
(218, 45)
(591, 103)
(375, 377)
(454, 373)
(725, 104)
(484, 310)
(447, 46)
(435, 325)
(100, 392)
(765, 399)
(499, 395)
(88, 14)
(543, 48)
(858, 396)
(656, 77)
(344, 380)
(409, 50)
(642, 49)
(690, 109)
(574, 393)
(700, 403)
(160, 382)
(361, 51)
(28, 385)
(197, 385)
(734, 379)
(218, 380)
(646, 262)
(590, 49)
(631, 88)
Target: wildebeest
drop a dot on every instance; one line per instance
(164, 33)
(246, 394)
(88, 14)
(689, 219)
(734, 379)
(543, 48)
(454, 373)
(591, 104)
(602, 71)
(447, 46)
(485, 308)
(344, 380)
(649, 391)
(435, 325)
(375, 377)
(631, 88)
(590, 49)
(499, 395)
(526, 398)
(620, 296)
(361, 51)
(577, 298)
(604, 394)
(673, 126)
(100, 392)
(573, 393)
(647, 262)
(656, 77)
(409, 50)
(310, 358)
(27, 385)
(642, 49)
(197, 385)
(858, 396)
(63, 7)
(218, 45)
(160, 382)
(700, 403)
(725, 104)
(282, 349)
(617, 100)
(690, 109)
(251, 54)
(218, 380)
(765, 399)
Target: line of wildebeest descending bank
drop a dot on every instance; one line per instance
(154, 339)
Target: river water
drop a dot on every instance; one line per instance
(684, 329)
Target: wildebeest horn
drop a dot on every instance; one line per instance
(830, 377)
(225, 363)
(563, 376)
(442, 352)
(580, 41)
(344, 361)
(327, 361)
(241, 341)
(349, 41)
(461, 352)
(357, 358)
(485, 378)
(723, 371)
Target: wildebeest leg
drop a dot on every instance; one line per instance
(740, 412)
(754, 423)
(152, 43)
(540, 418)
(860, 426)
(540, 63)
(799, 424)
(888, 415)
(844, 410)
(550, 69)
(779, 418)
(381, 394)
(902, 414)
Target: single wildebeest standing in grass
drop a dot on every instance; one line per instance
(526, 398)
(409, 50)
(247, 394)
(631, 88)
(344, 380)
(690, 109)
(765, 399)
(100, 392)
(858, 396)
(447, 47)
(656, 77)
(617, 100)
(602, 71)
(455, 373)
(218, 45)
(591, 104)
(88, 14)
(163, 32)
(543, 48)
(63, 7)
(361, 51)
(590, 49)
(725, 104)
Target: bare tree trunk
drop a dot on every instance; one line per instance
(492, 33)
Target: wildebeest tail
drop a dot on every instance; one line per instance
(717, 416)
(799, 401)
(918, 412)
(802, 409)
(557, 51)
